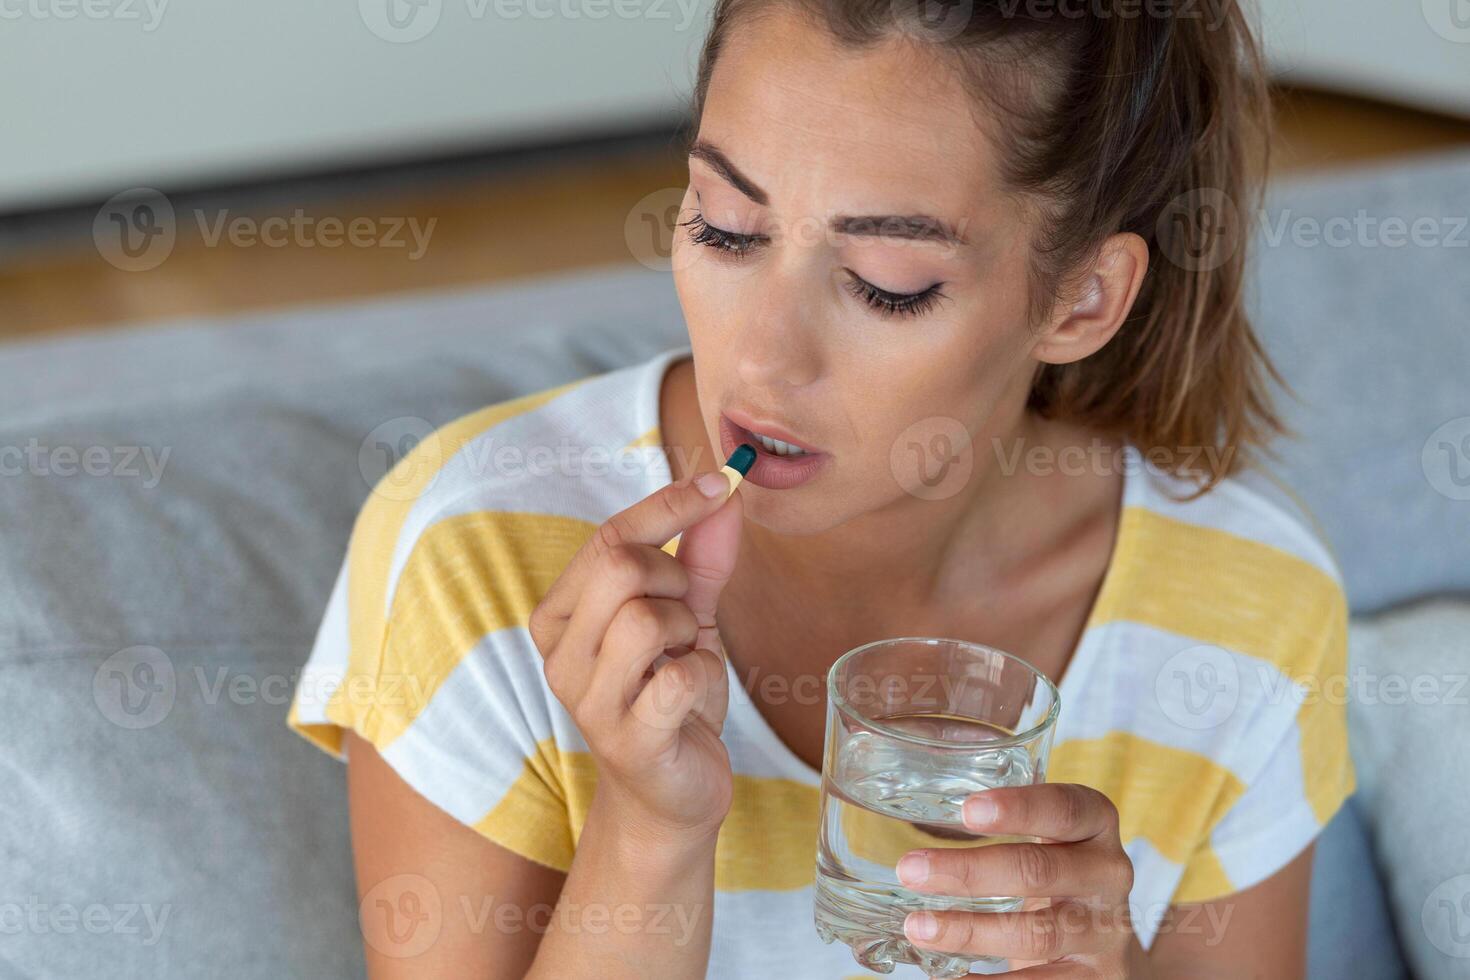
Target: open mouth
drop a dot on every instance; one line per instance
(779, 464)
(775, 446)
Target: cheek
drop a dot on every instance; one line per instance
(917, 396)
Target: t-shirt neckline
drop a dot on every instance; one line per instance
(749, 719)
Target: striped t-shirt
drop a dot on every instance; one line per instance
(1198, 699)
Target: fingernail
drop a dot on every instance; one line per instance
(921, 926)
(979, 810)
(913, 868)
(713, 484)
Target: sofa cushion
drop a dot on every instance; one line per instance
(1409, 712)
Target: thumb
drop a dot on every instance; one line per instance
(708, 550)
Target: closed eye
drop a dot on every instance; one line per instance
(887, 303)
(706, 234)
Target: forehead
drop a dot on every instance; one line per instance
(798, 113)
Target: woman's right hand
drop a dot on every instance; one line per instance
(620, 603)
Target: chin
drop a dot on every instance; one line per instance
(772, 512)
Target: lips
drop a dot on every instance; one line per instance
(752, 424)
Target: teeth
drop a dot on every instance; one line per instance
(777, 446)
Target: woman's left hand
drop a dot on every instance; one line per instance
(1085, 931)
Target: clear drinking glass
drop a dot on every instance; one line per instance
(914, 726)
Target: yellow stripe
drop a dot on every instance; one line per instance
(468, 576)
(1219, 588)
(378, 526)
(531, 819)
(1327, 766)
(328, 738)
(1204, 879)
(1170, 797)
(768, 841)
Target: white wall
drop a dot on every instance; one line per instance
(103, 95)
(1412, 51)
(154, 92)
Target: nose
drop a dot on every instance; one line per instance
(779, 345)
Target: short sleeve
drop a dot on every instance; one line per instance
(1298, 784)
(424, 652)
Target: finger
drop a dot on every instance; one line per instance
(1021, 869)
(642, 629)
(654, 520)
(1061, 929)
(714, 703)
(668, 701)
(708, 552)
(623, 573)
(1057, 811)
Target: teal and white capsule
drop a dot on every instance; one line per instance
(738, 465)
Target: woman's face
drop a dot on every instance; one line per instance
(798, 134)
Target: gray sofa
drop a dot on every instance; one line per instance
(176, 499)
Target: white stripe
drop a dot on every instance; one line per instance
(503, 681)
(469, 745)
(1240, 509)
(1155, 878)
(1271, 823)
(1221, 704)
(327, 663)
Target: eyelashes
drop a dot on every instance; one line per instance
(886, 303)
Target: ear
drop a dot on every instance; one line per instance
(1086, 319)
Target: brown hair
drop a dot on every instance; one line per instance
(1144, 116)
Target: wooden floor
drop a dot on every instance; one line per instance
(517, 223)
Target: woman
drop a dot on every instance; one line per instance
(959, 262)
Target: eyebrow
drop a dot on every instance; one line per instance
(915, 227)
